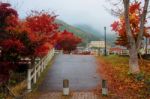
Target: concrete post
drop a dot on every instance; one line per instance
(66, 87)
(104, 88)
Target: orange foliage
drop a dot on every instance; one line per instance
(120, 83)
(43, 49)
(41, 30)
(119, 26)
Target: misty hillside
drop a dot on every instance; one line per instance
(87, 33)
(89, 29)
(110, 37)
(86, 36)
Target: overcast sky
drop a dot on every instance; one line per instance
(90, 12)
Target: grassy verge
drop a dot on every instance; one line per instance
(18, 90)
(122, 84)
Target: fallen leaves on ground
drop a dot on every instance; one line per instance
(122, 84)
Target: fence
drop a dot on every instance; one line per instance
(34, 73)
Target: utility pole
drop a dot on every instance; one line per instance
(146, 45)
(99, 48)
(105, 40)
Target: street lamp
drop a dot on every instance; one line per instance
(105, 40)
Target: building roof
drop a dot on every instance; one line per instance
(115, 49)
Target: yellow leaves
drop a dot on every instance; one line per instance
(134, 19)
(133, 16)
(121, 17)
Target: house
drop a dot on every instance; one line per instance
(119, 50)
(98, 47)
(97, 44)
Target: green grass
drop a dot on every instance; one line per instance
(119, 63)
(115, 59)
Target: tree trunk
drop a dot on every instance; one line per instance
(133, 60)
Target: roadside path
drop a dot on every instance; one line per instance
(79, 69)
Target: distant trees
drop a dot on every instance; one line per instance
(67, 41)
(131, 29)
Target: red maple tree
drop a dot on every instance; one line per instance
(67, 41)
(42, 29)
(32, 37)
(119, 26)
(10, 46)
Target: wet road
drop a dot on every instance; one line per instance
(79, 69)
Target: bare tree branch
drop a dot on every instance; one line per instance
(142, 22)
(116, 10)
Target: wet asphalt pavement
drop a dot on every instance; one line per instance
(79, 69)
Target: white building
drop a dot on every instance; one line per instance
(97, 44)
(97, 47)
(120, 50)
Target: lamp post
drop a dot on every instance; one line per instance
(105, 40)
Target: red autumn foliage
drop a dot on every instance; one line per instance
(32, 37)
(8, 18)
(12, 44)
(42, 30)
(114, 26)
(43, 49)
(67, 41)
(6, 11)
(12, 22)
(134, 16)
(134, 6)
(43, 24)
